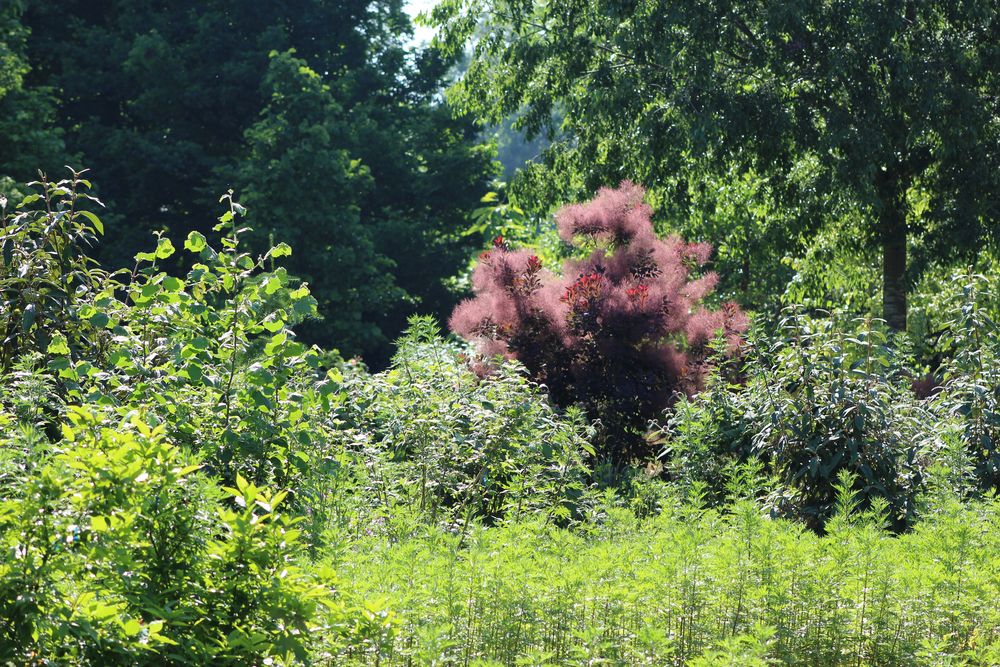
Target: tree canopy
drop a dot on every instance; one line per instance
(28, 139)
(886, 110)
(171, 104)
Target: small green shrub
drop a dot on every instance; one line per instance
(45, 271)
(430, 433)
(814, 401)
(971, 373)
(119, 551)
(211, 355)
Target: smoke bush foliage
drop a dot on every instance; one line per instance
(620, 332)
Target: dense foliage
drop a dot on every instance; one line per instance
(814, 403)
(693, 587)
(146, 420)
(884, 113)
(619, 332)
(183, 481)
(279, 101)
(611, 463)
(28, 136)
(827, 396)
(440, 441)
(119, 550)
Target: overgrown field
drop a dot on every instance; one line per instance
(183, 482)
(689, 586)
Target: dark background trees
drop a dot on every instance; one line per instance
(885, 111)
(765, 128)
(28, 139)
(171, 104)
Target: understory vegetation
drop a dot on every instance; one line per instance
(711, 378)
(182, 481)
(691, 586)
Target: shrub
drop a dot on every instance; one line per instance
(815, 402)
(210, 354)
(117, 550)
(619, 332)
(706, 434)
(431, 435)
(45, 272)
(971, 377)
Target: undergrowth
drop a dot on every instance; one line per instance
(692, 586)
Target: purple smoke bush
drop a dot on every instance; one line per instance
(621, 332)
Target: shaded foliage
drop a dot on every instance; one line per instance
(170, 104)
(29, 138)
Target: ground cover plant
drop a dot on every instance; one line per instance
(693, 586)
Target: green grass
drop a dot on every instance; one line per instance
(689, 587)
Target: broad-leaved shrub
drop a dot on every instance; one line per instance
(813, 402)
(119, 550)
(430, 434)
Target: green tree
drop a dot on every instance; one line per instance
(28, 140)
(307, 190)
(893, 107)
(167, 101)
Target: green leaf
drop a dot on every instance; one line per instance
(271, 285)
(280, 250)
(28, 318)
(172, 284)
(58, 345)
(131, 627)
(94, 220)
(59, 364)
(194, 372)
(273, 323)
(276, 341)
(30, 199)
(195, 242)
(164, 248)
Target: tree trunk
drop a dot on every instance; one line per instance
(892, 231)
(894, 275)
